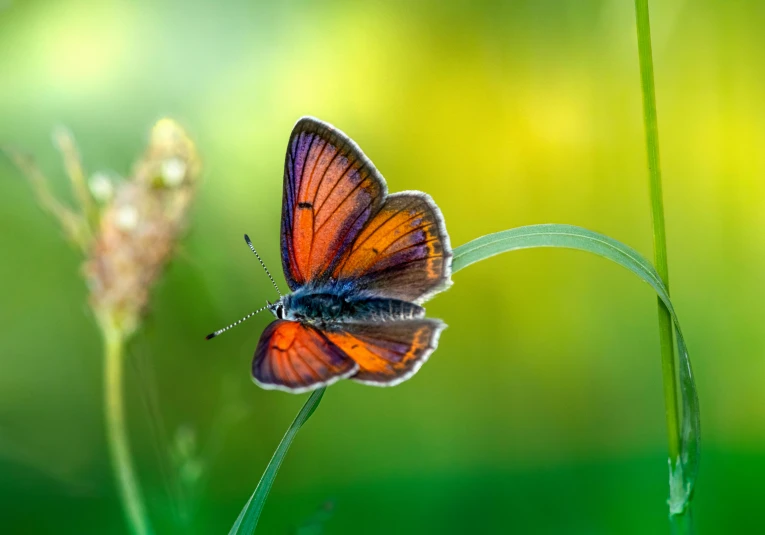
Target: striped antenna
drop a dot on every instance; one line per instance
(247, 239)
(224, 329)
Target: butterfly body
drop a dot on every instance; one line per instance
(325, 307)
(359, 262)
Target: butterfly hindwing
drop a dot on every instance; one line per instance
(331, 190)
(296, 357)
(387, 353)
(403, 252)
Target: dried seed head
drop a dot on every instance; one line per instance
(140, 227)
(129, 234)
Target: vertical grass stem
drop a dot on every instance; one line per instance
(122, 464)
(669, 372)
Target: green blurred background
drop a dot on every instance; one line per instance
(542, 410)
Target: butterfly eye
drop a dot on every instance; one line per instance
(280, 311)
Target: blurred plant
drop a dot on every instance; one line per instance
(188, 467)
(127, 231)
(192, 458)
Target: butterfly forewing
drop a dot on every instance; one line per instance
(331, 190)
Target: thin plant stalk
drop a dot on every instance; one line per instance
(124, 257)
(248, 519)
(122, 464)
(669, 372)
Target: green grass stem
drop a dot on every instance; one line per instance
(247, 520)
(122, 464)
(669, 372)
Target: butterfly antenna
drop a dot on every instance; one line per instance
(247, 239)
(224, 329)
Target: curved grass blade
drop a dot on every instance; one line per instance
(248, 518)
(683, 479)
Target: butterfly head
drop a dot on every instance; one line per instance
(277, 308)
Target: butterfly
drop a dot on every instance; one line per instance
(360, 264)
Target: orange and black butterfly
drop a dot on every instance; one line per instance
(359, 262)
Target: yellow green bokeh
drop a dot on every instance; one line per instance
(542, 410)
